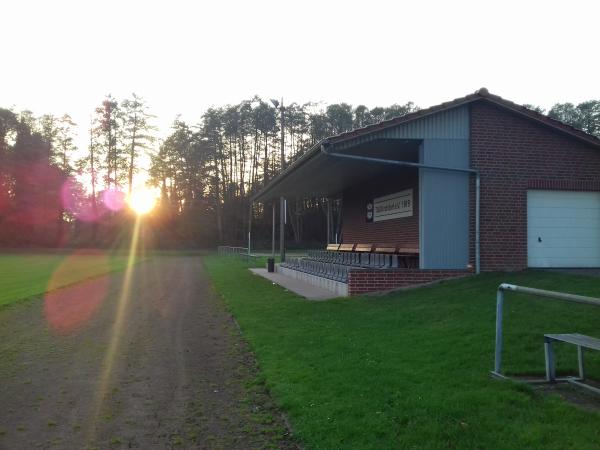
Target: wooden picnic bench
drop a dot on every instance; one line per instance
(579, 340)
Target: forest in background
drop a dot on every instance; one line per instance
(53, 194)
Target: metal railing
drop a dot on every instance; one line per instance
(241, 252)
(231, 251)
(505, 287)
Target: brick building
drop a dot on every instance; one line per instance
(475, 184)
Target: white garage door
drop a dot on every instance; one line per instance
(563, 229)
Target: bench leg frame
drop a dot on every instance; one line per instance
(578, 383)
(580, 362)
(550, 363)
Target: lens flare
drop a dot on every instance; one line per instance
(67, 310)
(118, 326)
(113, 199)
(142, 201)
(80, 205)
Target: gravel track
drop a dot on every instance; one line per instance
(163, 367)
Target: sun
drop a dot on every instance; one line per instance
(141, 201)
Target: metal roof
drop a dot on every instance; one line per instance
(320, 175)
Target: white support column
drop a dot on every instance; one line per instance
(273, 233)
(282, 229)
(329, 224)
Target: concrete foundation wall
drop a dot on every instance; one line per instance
(338, 288)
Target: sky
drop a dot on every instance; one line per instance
(185, 56)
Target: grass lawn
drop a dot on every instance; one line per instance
(411, 369)
(25, 275)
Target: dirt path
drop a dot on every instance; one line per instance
(161, 368)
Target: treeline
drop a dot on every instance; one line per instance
(207, 172)
(584, 116)
(53, 194)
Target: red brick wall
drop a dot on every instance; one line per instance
(403, 231)
(364, 281)
(514, 154)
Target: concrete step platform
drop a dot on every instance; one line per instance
(300, 285)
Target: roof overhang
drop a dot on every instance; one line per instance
(317, 174)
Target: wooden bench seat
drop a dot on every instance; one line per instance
(363, 248)
(346, 247)
(580, 340)
(333, 247)
(385, 248)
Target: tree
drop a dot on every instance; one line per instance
(137, 132)
(590, 116)
(318, 126)
(108, 130)
(362, 117)
(339, 117)
(535, 108)
(64, 144)
(37, 206)
(396, 110)
(585, 116)
(567, 113)
(8, 130)
(211, 132)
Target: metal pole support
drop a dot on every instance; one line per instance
(273, 234)
(580, 362)
(282, 229)
(540, 293)
(550, 365)
(498, 354)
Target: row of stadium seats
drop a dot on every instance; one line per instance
(336, 272)
(371, 260)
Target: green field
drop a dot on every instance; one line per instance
(411, 369)
(25, 275)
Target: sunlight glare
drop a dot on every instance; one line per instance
(119, 324)
(142, 201)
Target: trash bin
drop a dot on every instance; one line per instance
(271, 265)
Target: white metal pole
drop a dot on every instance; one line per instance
(281, 199)
(273, 234)
(499, 307)
(250, 228)
(328, 221)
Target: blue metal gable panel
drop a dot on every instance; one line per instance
(450, 124)
(443, 196)
(444, 205)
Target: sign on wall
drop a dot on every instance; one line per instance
(393, 206)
